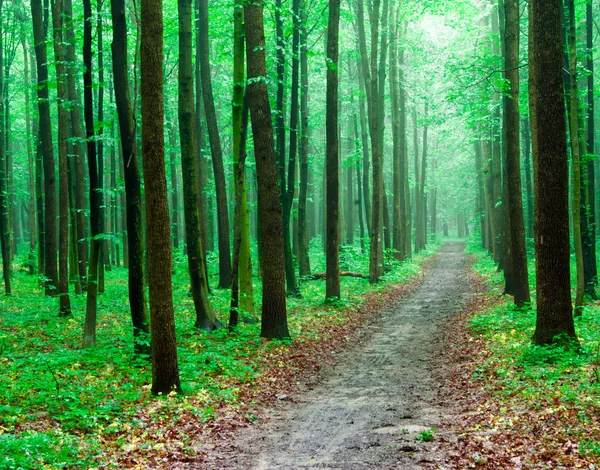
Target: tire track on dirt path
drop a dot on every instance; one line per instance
(382, 394)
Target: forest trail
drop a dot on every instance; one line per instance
(381, 395)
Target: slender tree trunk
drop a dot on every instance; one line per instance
(217, 152)
(50, 248)
(332, 289)
(4, 240)
(243, 270)
(205, 317)
(588, 209)
(513, 147)
(100, 148)
(398, 231)
(30, 158)
(63, 245)
(78, 145)
(303, 235)
(274, 314)
(576, 156)
(423, 195)
(165, 370)
(89, 335)
(133, 252)
(546, 102)
(365, 144)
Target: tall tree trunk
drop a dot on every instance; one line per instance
(30, 157)
(50, 248)
(588, 209)
(513, 147)
(165, 370)
(63, 240)
(215, 145)
(423, 196)
(398, 230)
(274, 314)
(133, 252)
(370, 72)
(546, 101)
(206, 229)
(78, 145)
(576, 156)
(332, 289)
(303, 235)
(364, 137)
(89, 335)
(100, 148)
(39, 178)
(243, 274)
(417, 192)
(205, 317)
(4, 239)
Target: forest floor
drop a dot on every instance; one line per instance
(380, 406)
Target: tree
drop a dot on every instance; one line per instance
(513, 150)
(165, 370)
(274, 314)
(133, 198)
(333, 179)
(573, 114)
(205, 318)
(63, 239)
(243, 268)
(548, 126)
(215, 146)
(45, 130)
(89, 334)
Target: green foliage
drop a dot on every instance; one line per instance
(426, 436)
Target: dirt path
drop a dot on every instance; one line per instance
(370, 408)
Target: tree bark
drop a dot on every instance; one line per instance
(216, 150)
(274, 314)
(513, 147)
(134, 254)
(165, 370)
(303, 235)
(332, 289)
(243, 271)
(39, 33)
(89, 335)
(63, 245)
(205, 317)
(546, 100)
(576, 156)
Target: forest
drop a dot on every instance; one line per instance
(299, 234)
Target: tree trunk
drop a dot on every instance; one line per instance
(78, 145)
(205, 317)
(303, 235)
(63, 239)
(528, 176)
(274, 314)
(332, 289)
(588, 209)
(133, 252)
(174, 188)
(546, 101)
(165, 371)
(513, 147)
(39, 33)
(398, 222)
(215, 146)
(576, 156)
(89, 335)
(243, 271)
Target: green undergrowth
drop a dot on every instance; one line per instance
(544, 380)
(58, 402)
